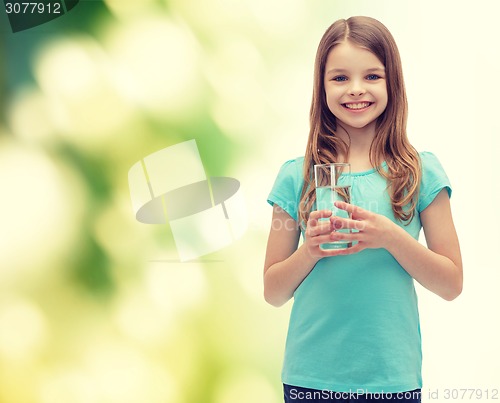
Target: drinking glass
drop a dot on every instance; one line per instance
(333, 183)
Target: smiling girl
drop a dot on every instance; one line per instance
(354, 331)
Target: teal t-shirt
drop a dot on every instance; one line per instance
(354, 323)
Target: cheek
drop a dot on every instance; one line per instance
(383, 98)
(332, 102)
(383, 102)
(386, 101)
(385, 95)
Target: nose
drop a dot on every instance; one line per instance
(356, 88)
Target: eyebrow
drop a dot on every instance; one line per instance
(371, 70)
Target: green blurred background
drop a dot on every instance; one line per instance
(94, 306)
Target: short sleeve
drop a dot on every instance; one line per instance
(288, 187)
(434, 179)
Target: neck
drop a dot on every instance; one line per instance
(359, 141)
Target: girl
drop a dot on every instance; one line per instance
(354, 328)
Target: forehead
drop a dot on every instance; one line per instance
(349, 56)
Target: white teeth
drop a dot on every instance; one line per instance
(360, 105)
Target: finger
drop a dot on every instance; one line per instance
(331, 252)
(339, 223)
(344, 236)
(320, 240)
(321, 229)
(317, 214)
(318, 219)
(311, 223)
(358, 212)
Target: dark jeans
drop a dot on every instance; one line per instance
(296, 394)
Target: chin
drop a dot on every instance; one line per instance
(357, 125)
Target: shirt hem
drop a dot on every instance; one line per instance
(359, 389)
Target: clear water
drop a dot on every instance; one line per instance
(326, 196)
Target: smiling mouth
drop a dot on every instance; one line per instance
(357, 106)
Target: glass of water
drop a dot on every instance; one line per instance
(333, 183)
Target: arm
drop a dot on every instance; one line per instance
(286, 266)
(437, 267)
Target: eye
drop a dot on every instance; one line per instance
(372, 77)
(339, 78)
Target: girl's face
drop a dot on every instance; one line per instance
(355, 86)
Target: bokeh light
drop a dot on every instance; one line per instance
(39, 197)
(243, 387)
(24, 329)
(126, 9)
(155, 64)
(30, 116)
(76, 77)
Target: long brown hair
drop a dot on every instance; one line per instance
(390, 143)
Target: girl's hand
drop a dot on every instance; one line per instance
(374, 230)
(318, 232)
